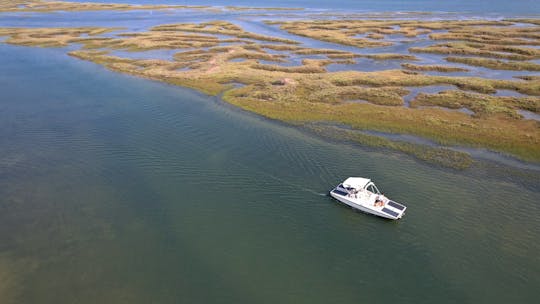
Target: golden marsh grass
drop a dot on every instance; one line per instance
(437, 68)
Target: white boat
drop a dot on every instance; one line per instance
(362, 194)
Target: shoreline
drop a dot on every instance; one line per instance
(220, 54)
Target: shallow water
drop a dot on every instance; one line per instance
(119, 189)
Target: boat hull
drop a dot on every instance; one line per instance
(362, 207)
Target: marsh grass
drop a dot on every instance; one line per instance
(437, 68)
(496, 64)
(375, 31)
(517, 137)
(279, 47)
(52, 37)
(481, 104)
(499, 35)
(435, 155)
(480, 49)
(402, 79)
(308, 66)
(328, 52)
(308, 93)
(529, 77)
(219, 27)
(389, 56)
(524, 20)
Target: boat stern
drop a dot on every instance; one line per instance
(394, 210)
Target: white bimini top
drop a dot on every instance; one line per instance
(357, 183)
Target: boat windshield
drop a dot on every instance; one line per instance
(371, 188)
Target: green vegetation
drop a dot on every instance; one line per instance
(308, 66)
(402, 79)
(438, 68)
(371, 33)
(529, 77)
(480, 104)
(53, 37)
(499, 35)
(480, 49)
(519, 137)
(530, 20)
(218, 27)
(331, 31)
(496, 64)
(436, 155)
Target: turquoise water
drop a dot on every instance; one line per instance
(116, 189)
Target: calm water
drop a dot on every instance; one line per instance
(477, 6)
(116, 189)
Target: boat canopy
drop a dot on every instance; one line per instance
(356, 182)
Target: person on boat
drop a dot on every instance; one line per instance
(379, 200)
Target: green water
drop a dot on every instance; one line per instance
(116, 189)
